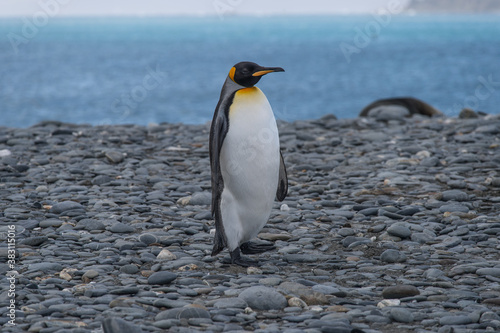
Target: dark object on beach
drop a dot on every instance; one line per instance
(467, 113)
(407, 107)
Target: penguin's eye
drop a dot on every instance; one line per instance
(245, 71)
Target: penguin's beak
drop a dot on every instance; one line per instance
(266, 70)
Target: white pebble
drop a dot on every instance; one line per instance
(284, 208)
(5, 152)
(166, 255)
(316, 309)
(388, 302)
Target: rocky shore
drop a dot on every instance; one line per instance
(389, 226)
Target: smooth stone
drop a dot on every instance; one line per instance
(234, 302)
(489, 316)
(148, 239)
(34, 241)
(187, 312)
(45, 267)
(346, 242)
(454, 207)
(456, 320)
(201, 199)
(369, 211)
(377, 319)
(166, 323)
(65, 206)
(400, 291)
(489, 271)
(400, 231)
(101, 180)
(129, 269)
(391, 215)
(274, 237)
(263, 298)
(125, 291)
(169, 303)
(90, 225)
(90, 274)
(203, 216)
(401, 315)
(115, 156)
(121, 228)
(142, 209)
(50, 223)
(162, 278)
(454, 195)
(189, 188)
(118, 325)
(392, 256)
(166, 255)
(297, 257)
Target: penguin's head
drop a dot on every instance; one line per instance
(247, 73)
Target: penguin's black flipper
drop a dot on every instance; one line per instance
(218, 131)
(237, 259)
(253, 248)
(282, 190)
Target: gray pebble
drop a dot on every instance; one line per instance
(148, 239)
(65, 206)
(45, 267)
(454, 207)
(50, 223)
(162, 278)
(121, 228)
(263, 298)
(455, 195)
(35, 241)
(489, 271)
(183, 313)
(129, 269)
(201, 199)
(456, 320)
(118, 325)
(399, 230)
(234, 302)
(401, 315)
(400, 291)
(90, 225)
(392, 256)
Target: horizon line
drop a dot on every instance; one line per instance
(231, 15)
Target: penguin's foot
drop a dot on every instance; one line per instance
(237, 259)
(253, 248)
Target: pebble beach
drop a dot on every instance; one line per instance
(390, 225)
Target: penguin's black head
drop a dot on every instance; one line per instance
(247, 74)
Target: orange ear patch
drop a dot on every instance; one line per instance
(231, 73)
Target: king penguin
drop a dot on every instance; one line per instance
(248, 171)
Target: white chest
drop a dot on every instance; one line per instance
(250, 152)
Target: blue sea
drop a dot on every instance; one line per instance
(171, 69)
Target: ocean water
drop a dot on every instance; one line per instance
(171, 69)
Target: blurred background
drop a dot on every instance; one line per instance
(153, 61)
